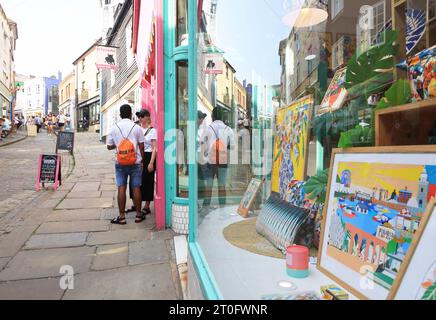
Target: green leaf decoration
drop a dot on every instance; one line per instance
(358, 136)
(369, 72)
(430, 293)
(316, 186)
(398, 94)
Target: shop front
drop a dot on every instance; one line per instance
(340, 157)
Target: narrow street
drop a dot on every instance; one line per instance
(44, 231)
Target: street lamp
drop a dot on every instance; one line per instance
(305, 15)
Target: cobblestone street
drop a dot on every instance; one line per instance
(41, 232)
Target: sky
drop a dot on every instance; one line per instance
(250, 33)
(52, 33)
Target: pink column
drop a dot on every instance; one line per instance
(160, 103)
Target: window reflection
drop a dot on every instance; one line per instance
(182, 125)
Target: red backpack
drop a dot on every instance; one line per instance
(218, 151)
(126, 154)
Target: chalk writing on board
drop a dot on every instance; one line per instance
(65, 141)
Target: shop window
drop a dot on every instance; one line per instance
(182, 22)
(182, 126)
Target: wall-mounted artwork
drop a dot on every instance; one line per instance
(291, 147)
(249, 196)
(376, 200)
(422, 74)
(417, 278)
(416, 23)
(336, 94)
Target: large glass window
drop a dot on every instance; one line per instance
(276, 97)
(182, 126)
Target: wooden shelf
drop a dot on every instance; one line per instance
(405, 125)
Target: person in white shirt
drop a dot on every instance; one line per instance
(127, 129)
(202, 167)
(218, 130)
(61, 121)
(148, 174)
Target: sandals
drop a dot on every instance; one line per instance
(119, 220)
(146, 212)
(132, 209)
(140, 218)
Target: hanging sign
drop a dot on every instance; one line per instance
(49, 171)
(214, 63)
(106, 58)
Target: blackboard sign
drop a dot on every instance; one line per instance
(49, 171)
(65, 141)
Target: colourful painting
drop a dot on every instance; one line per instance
(375, 204)
(336, 94)
(422, 74)
(291, 147)
(249, 196)
(417, 278)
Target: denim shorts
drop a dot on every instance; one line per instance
(123, 172)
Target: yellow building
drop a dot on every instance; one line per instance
(225, 86)
(87, 85)
(67, 99)
(240, 97)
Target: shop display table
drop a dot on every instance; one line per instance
(243, 275)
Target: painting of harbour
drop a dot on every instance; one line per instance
(376, 212)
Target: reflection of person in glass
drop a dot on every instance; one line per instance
(201, 165)
(218, 141)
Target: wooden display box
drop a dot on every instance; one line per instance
(405, 125)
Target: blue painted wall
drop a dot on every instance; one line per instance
(49, 83)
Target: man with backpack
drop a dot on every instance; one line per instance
(219, 139)
(128, 140)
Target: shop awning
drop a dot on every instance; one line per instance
(143, 25)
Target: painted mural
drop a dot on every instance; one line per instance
(336, 94)
(376, 212)
(290, 149)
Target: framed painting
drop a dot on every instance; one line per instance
(249, 196)
(375, 202)
(336, 94)
(417, 277)
(291, 146)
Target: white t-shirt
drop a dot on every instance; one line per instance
(61, 118)
(136, 136)
(151, 135)
(217, 128)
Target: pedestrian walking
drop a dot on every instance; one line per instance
(127, 138)
(218, 140)
(38, 122)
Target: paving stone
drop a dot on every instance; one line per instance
(4, 262)
(85, 203)
(73, 226)
(152, 282)
(108, 194)
(111, 256)
(108, 187)
(118, 236)
(74, 215)
(52, 203)
(59, 194)
(11, 243)
(84, 195)
(32, 264)
(144, 252)
(35, 289)
(62, 240)
(86, 186)
(163, 235)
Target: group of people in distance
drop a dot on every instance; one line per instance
(50, 122)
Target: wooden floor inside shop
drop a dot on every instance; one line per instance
(242, 274)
